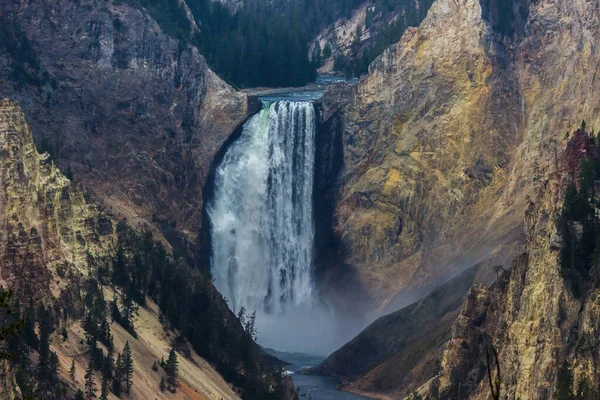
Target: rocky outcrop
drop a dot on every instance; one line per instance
(47, 229)
(443, 136)
(531, 315)
(387, 357)
(428, 139)
(136, 117)
(446, 142)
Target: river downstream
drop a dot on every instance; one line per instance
(317, 387)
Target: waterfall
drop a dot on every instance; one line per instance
(262, 213)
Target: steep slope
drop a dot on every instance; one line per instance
(445, 142)
(352, 42)
(542, 315)
(198, 379)
(385, 356)
(428, 137)
(132, 115)
(62, 253)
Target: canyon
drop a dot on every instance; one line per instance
(438, 184)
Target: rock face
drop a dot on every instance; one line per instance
(443, 136)
(445, 143)
(388, 356)
(47, 228)
(136, 118)
(531, 315)
(428, 137)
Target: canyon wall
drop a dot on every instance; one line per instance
(452, 147)
(428, 141)
(132, 115)
(539, 315)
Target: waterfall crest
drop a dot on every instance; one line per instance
(262, 212)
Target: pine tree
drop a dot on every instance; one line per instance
(104, 390)
(242, 316)
(10, 326)
(114, 311)
(107, 368)
(171, 368)
(79, 395)
(72, 372)
(127, 371)
(327, 51)
(119, 267)
(48, 362)
(90, 385)
(162, 385)
(250, 326)
(53, 380)
(118, 376)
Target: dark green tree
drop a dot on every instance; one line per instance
(127, 369)
(90, 385)
(29, 335)
(11, 325)
(104, 388)
(48, 362)
(327, 51)
(118, 376)
(171, 368)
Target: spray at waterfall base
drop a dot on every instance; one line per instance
(262, 235)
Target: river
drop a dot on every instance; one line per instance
(317, 387)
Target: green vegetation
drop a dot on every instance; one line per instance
(26, 68)
(11, 324)
(580, 226)
(171, 369)
(90, 385)
(189, 304)
(564, 383)
(260, 44)
(385, 32)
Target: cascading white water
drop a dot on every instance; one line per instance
(262, 214)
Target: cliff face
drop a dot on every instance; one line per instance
(135, 117)
(428, 139)
(445, 143)
(531, 315)
(47, 229)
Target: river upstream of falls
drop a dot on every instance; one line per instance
(262, 233)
